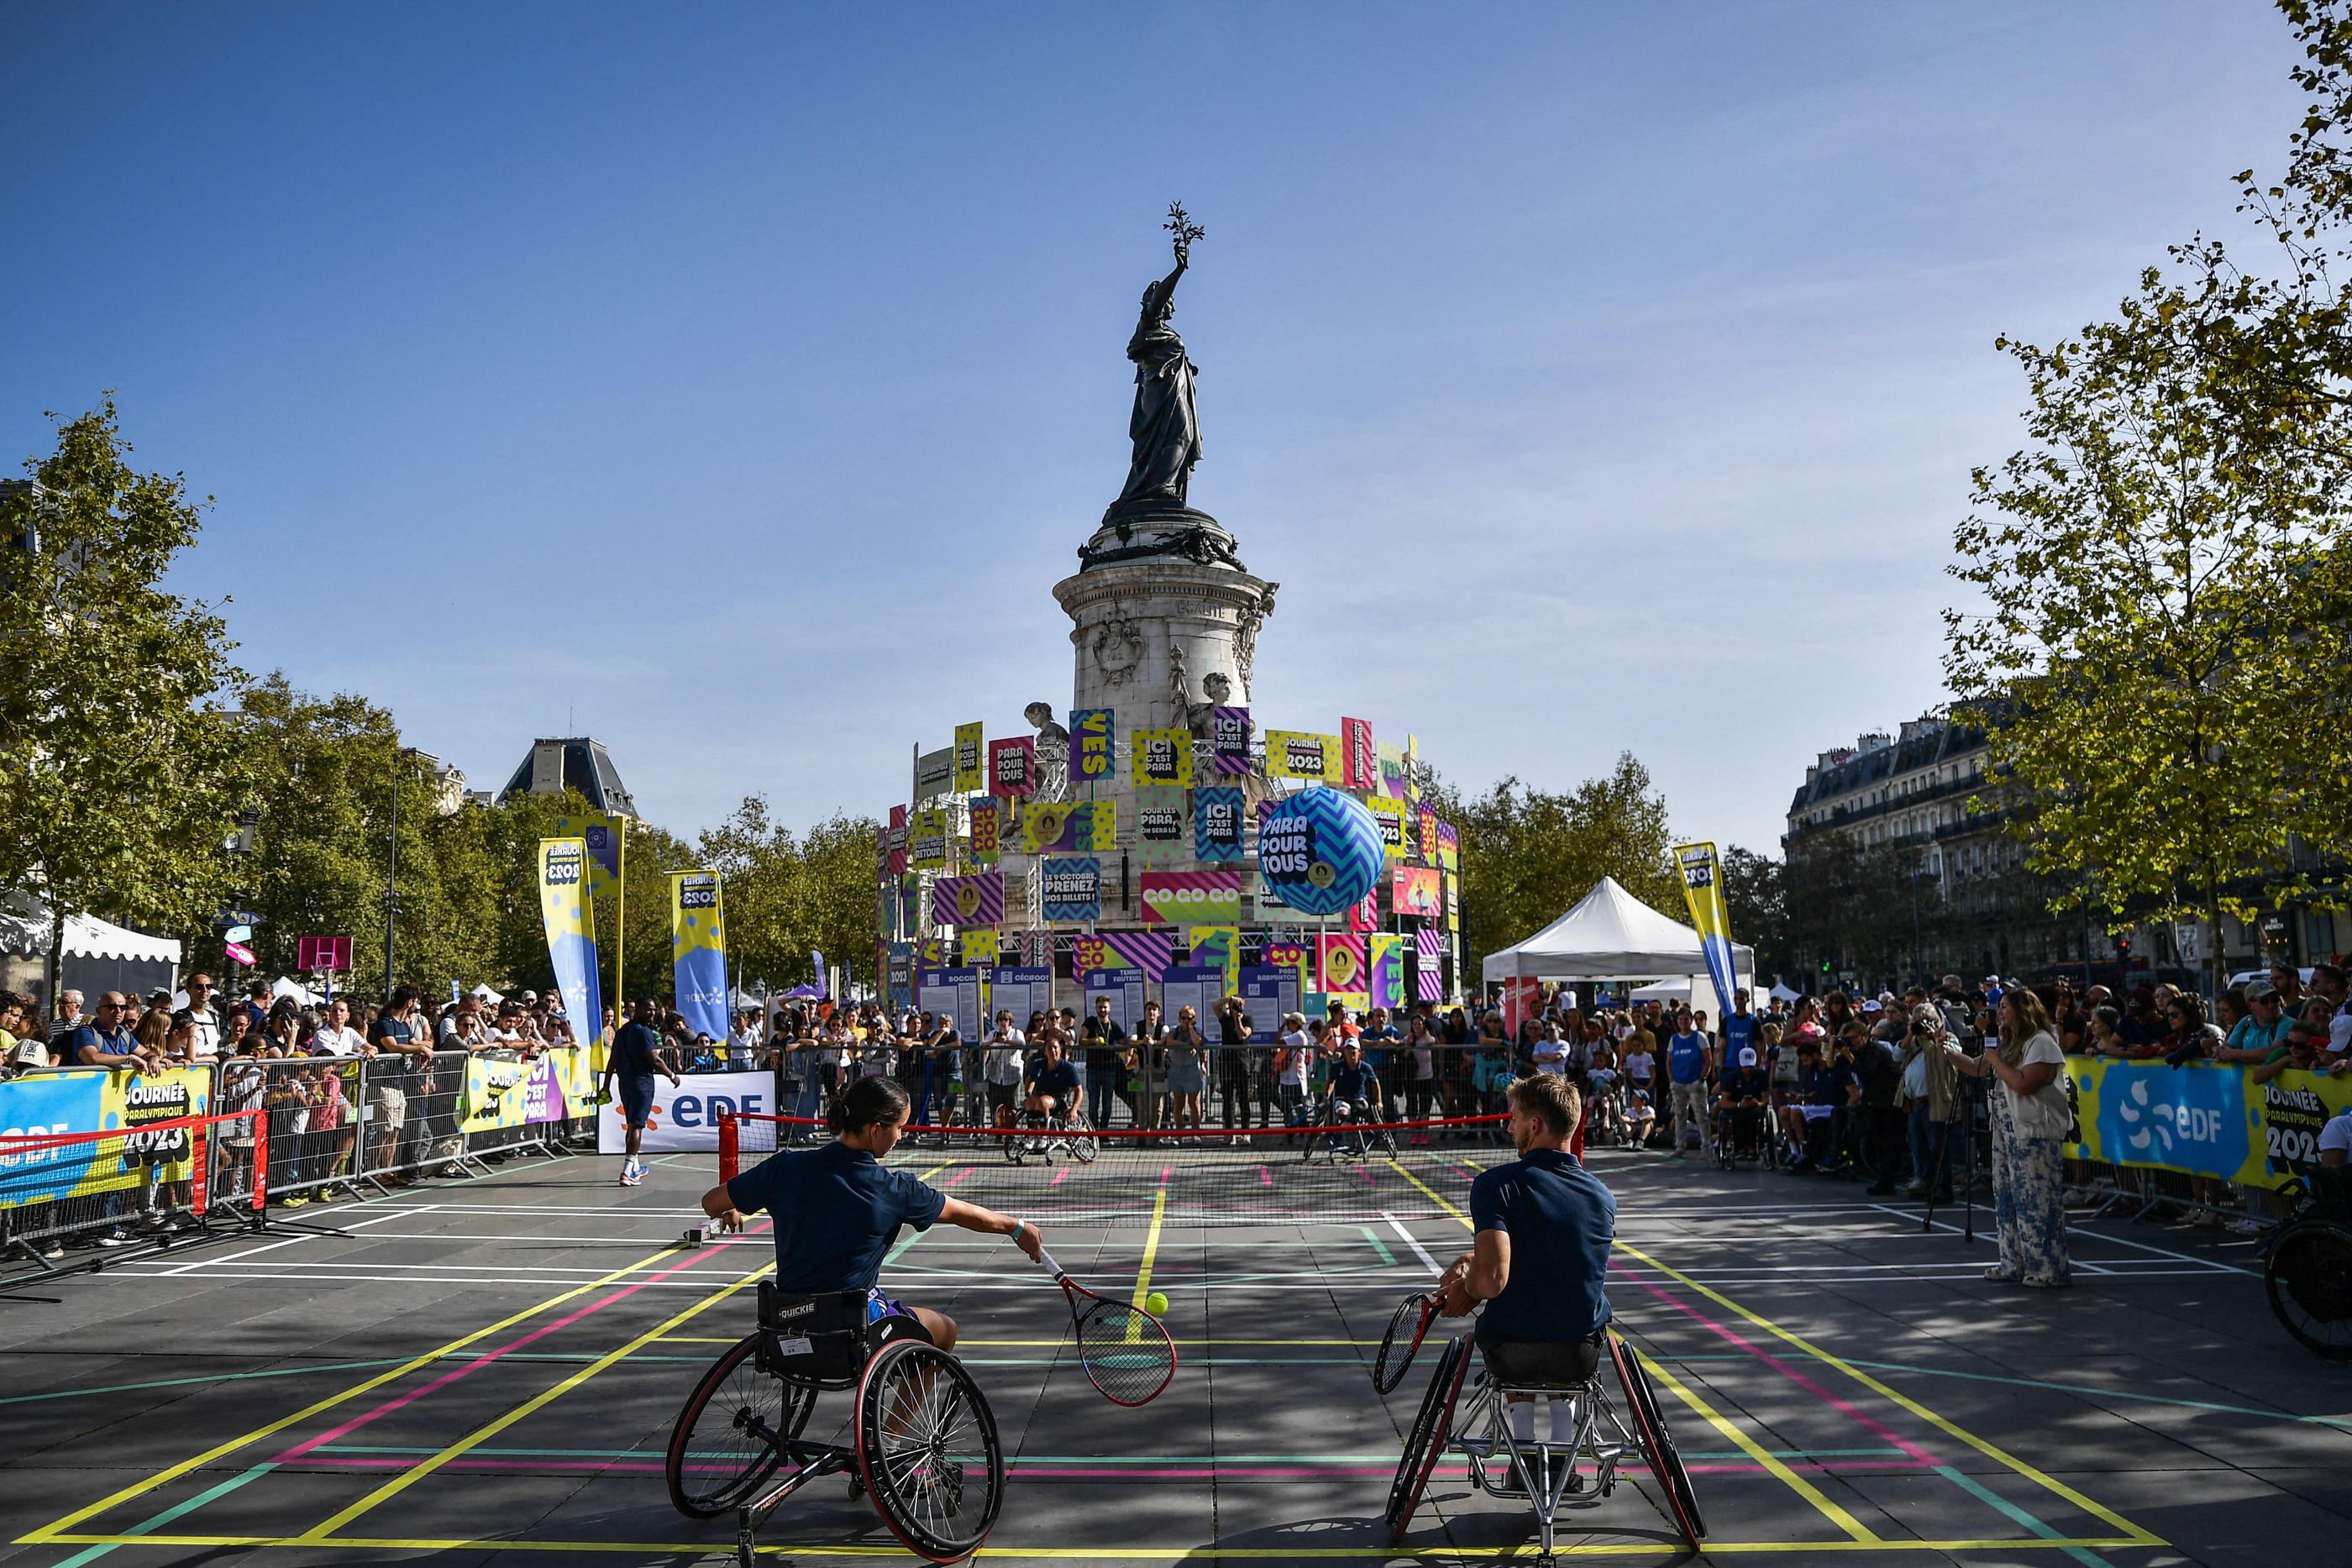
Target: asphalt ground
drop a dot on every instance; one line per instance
(491, 1368)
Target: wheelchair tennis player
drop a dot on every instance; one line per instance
(1538, 1259)
(837, 1208)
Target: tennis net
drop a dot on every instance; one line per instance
(1331, 1170)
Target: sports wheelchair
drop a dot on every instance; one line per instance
(1037, 1135)
(1749, 1134)
(1343, 1129)
(924, 1446)
(1543, 1471)
(2307, 1268)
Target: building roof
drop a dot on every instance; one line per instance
(1925, 748)
(586, 767)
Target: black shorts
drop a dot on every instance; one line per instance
(1544, 1362)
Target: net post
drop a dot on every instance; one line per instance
(260, 1170)
(729, 1161)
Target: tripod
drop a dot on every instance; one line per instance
(1964, 1129)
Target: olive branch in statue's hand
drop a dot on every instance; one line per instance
(1186, 231)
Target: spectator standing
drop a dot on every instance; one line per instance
(205, 1047)
(1929, 1097)
(1291, 1064)
(1188, 1068)
(1005, 1060)
(1688, 1065)
(61, 1028)
(2030, 1115)
(403, 1063)
(1236, 1068)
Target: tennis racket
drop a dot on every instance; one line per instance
(1127, 1351)
(1406, 1325)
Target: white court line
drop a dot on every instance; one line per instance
(2205, 1265)
(1418, 1249)
(268, 1246)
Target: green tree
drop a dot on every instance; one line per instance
(761, 868)
(119, 766)
(1755, 894)
(1527, 855)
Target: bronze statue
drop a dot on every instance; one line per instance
(1166, 425)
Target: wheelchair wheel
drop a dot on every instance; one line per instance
(730, 1436)
(928, 1451)
(2309, 1281)
(1425, 1445)
(1657, 1443)
(1083, 1144)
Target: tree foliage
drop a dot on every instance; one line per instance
(1527, 855)
(120, 767)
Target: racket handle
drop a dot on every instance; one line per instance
(1045, 1258)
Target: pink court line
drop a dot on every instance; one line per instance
(1369, 1180)
(1165, 1172)
(967, 1174)
(1059, 1177)
(1843, 1406)
(479, 1362)
(1266, 1176)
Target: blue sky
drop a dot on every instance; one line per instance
(732, 382)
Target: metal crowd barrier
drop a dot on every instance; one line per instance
(302, 1128)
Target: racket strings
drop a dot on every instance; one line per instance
(1125, 1351)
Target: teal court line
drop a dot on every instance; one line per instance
(176, 1512)
(1985, 1494)
(1379, 1246)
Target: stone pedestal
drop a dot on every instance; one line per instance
(1148, 633)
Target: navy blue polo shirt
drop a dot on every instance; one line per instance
(837, 1209)
(1060, 1081)
(1560, 1219)
(633, 1045)
(1354, 1084)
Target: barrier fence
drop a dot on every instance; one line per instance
(2207, 1119)
(191, 1147)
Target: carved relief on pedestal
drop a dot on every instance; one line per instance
(1117, 648)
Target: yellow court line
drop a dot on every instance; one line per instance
(2136, 1534)
(49, 1532)
(1431, 1193)
(1119, 1554)
(319, 1533)
(1762, 1455)
(1143, 1274)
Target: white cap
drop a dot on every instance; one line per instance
(1746, 1056)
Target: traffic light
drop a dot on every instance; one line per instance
(2122, 948)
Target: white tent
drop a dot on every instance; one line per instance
(24, 928)
(482, 993)
(1611, 936)
(1782, 993)
(1665, 991)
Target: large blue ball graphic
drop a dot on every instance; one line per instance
(1320, 851)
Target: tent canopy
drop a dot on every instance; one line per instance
(1782, 993)
(24, 928)
(1611, 935)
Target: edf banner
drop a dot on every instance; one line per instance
(1703, 886)
(571, 922)
(697, 943)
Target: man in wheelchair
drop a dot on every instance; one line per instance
(1745, 1089)
(1539, 1260)
(837, 1208)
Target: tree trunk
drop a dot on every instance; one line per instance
(57, 954)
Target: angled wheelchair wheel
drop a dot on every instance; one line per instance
(1083, 1144)
(2308, 1278)
(1657, 1443)
(927, 1448)
(730, 1437)
(1424, 1444)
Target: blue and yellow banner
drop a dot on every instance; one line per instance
(2205, 1118)
(564, 869)
(95, 1101)
(1703, 886)
(606, 836)
(1090, 743)
(697, 943)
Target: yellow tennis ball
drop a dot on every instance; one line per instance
(1155, 1303)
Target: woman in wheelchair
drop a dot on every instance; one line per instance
(837, 1208)
(1538, 1259)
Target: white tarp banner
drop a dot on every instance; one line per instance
(685, 1113)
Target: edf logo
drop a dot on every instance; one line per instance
(704, 1110)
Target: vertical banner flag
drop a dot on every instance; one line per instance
(1703, 886)
(1090, 743)
(1392, 815)
(1105, 821)
(1392, 766)
(980, 950)
(1384, 964)
(1074, 889)
(910, 906)
(1217, 947)
(934, 772)
(601, 831)
(1159, 825)
(975, 900)
(1217, 824)
(1342, 963)
(1449, 847)
(1161, 757)
(926, 840)
(970, 765)
(1452, 901)
(1229, 732)
(1431, 942)
(1148, 951)
(1428, 837)
(932, 953)
(1013, 766)
(900, 981)
(1296, 753)
(571, 930)
(987, 829)
(1296, 957)
(697, 943)
(898, 831)
(1359, 761)
(1364, 915)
